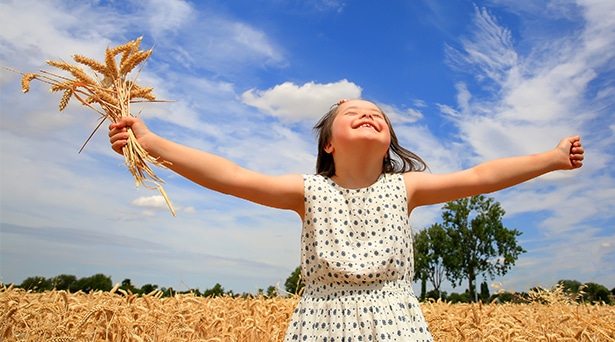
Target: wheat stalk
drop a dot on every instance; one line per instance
(109, 92)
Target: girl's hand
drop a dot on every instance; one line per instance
(572, 152)
(118, 133)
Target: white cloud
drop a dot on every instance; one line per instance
(419, 103)
(189, 210)
(291, 102)
(401, 116)
(166, 16)
(325, 5)
(154, 202)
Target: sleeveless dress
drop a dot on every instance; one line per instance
(357, 265)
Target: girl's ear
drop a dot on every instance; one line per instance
(329, 148)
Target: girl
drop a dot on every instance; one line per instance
(356, 244)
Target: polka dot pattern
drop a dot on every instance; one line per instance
(357, 263)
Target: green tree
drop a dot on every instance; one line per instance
(148, 288)
(127, 286)
(294, 284)
(420, 261)
(216, 291)
(459, 298)
(436, 295)
(484, 292)
(503, 297)
(593, 292)
(97, 282)
(169, 292)
(36, 283)
(482, 245)
(430, 246)
(272, 291)
(64, 282)
(570, 286)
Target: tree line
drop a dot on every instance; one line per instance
(101, 282)
(470, 242)
(588, 292)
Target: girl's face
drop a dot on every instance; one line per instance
(359, 123)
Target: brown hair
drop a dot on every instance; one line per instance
(398, 159)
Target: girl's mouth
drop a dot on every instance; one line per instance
(367, 125)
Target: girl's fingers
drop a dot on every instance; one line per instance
(118, 136)
(114, 129)
(577, 154)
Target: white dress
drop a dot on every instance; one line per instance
(357, 264)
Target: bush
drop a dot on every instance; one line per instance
(459, 298)
(36, 284)
(595, 293)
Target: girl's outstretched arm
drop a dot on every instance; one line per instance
(424, 188)
(212, 171)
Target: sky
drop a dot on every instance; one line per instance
(463, 82)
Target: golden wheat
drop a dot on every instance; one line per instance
(112, 90)
(111, 65)
(25, 81)
(134, 60)
(93, 64)
(68, 93)
(122, 316)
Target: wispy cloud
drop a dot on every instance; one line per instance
(547, 88)
(525, 102)
(165, 17)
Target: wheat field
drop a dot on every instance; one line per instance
(119, 316)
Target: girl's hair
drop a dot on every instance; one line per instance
(398, 159)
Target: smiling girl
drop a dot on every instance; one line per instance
(356, 241)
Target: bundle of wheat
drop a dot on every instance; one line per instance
(109, 92)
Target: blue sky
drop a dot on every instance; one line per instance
(463, 82)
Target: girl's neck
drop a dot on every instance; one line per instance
(359, 175)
